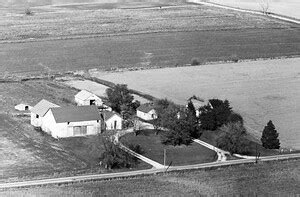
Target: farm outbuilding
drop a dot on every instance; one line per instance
(85, 97)
(23, 107)
(72, 121)
(38, 112)
(146, 112)
(112, 120)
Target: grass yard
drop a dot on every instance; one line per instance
(264, 179)
(178, 155)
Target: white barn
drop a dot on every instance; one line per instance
(72, 121)
(85, 97)
(23, 107)
(38, 112)
(146, 112)
(112, 120)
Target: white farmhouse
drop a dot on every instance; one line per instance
(38, 112)
(23, 107)
(113, 121)
(146, 112)
(85, 97)
(199, 103)
(72, 121)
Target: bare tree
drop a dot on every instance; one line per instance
(265, 5)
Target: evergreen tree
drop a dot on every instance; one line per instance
(269, 137)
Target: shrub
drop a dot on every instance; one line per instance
(28, 12)
(114, 157)
(195, 62)
(235, 117)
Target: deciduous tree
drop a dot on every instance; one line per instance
(233, 138)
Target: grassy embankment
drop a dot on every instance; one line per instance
(262, 179)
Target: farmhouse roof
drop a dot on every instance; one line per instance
(199, 103)
(75, 114)
(84, 94)
(147, 107)
(42, 107)
(108, 114)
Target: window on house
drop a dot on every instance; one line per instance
(37, 116)
(79, 130)
(92, 102)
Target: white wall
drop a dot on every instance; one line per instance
(111, 122)
(87, 101)
(62, 130)
(146, 116)
(37, 122)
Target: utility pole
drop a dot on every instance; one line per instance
(165, 155)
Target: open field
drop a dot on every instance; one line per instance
(26, 153)
(178, 155)
(263, 179)
(283, 7)
(260, 90)
(139, 38)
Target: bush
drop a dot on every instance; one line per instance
(28, 12)
(195, 62)
(235, 118)
(114, 157)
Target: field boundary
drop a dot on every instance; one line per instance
(269, 14)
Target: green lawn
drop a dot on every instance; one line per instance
(178, 155)
(262, 179)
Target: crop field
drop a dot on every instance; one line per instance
(263, 179)
(26, 153)
(259, 90)
(178, 155)
(119, 38)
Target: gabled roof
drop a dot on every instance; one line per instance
(108, 114)
(42, 107)
(198, 103)
(75, 114)
(84, 94)
(147, 107)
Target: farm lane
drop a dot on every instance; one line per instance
(142, 172)
(221, 153)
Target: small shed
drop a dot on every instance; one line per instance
(146, 112)
(23, 107)
(85, 97)
(112, 120)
